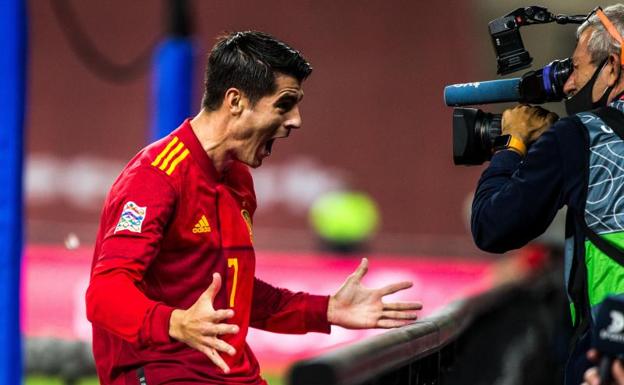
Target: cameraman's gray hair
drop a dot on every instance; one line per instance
(601, 44)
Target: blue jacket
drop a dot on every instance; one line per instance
(516, 200)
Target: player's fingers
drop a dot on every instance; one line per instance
(391, 323)
(220, 315)
(212, 329)
(403, 306)
(214, 356)
(214, 287)
(361, 270)
(399, 315)
(394, 287)
(220, 329)
(220, 345)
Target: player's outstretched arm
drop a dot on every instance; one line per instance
(201, 325)
(357, 307)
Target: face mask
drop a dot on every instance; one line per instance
(582, 100)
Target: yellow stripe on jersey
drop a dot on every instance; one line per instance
(173, 153)
(165, 151)
(177, 160)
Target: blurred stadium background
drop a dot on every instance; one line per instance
(374, 122)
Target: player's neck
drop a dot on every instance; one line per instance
(211, 131)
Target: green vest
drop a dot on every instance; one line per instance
(604, 211)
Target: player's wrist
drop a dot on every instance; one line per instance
(175, 324)
(331, 310)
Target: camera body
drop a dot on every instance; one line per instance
(474, 131)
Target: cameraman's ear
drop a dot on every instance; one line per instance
(615, 69)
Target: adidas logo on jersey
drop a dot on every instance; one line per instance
(202, 226)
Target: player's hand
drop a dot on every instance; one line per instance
(201, 325)
(527, 122)
(592, 377)
(357, 307)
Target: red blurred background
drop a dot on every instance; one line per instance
(374, 121)
(373, 115)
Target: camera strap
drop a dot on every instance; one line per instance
(614, 118)
(612, 31)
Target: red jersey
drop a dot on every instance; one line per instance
(169, 222)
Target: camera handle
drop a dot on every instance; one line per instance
(540, 15)
(511, 55)
(570, 19)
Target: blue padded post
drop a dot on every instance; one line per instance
(12, 72)
(173, 85)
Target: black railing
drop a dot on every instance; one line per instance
(423, 352)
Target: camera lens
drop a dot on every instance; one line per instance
(473, 134)
(555, 74)
(562, 69)
(489, 128)
(545, 84)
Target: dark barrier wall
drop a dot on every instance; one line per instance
(516, 334)
(513, 334)
(373, 113)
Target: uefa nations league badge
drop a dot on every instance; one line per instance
(132, 217)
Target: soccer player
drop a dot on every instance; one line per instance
(172, 291)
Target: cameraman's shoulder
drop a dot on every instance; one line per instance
(569, 131)
(567, 125)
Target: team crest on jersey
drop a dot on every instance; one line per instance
(247, 219)
(132, 217)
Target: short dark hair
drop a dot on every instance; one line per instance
(248, 61)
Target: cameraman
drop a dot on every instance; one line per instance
(577, 161)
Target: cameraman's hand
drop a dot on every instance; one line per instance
(527, 122)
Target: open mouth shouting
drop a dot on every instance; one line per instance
(267, 147)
